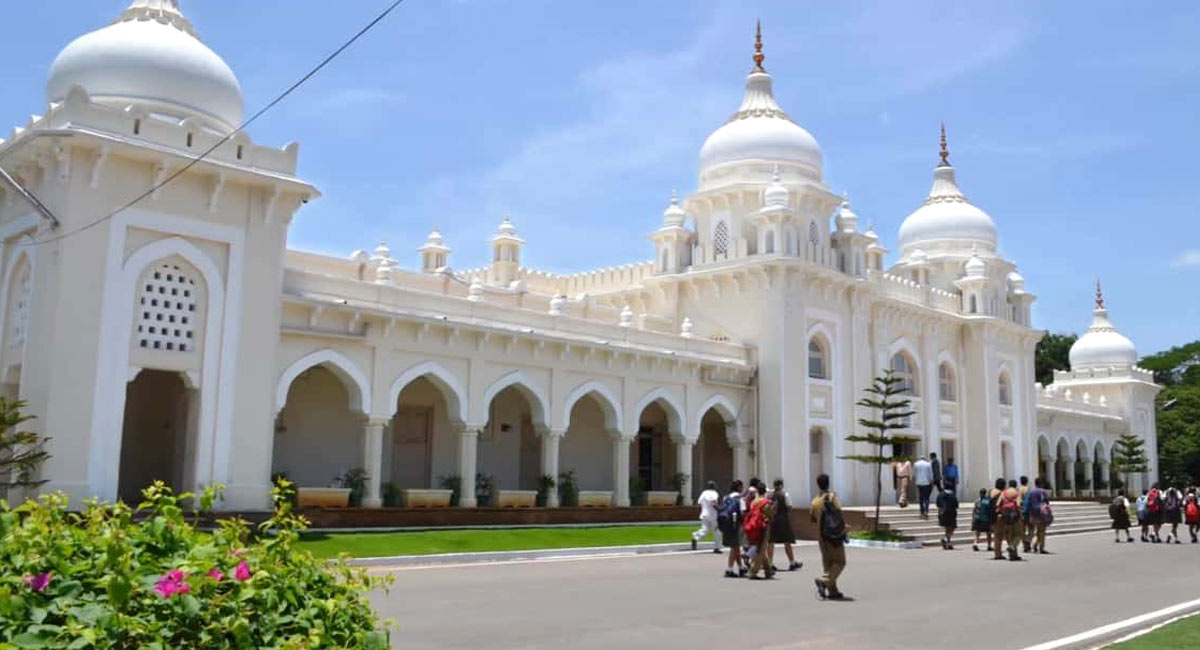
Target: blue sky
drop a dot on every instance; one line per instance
(1076, 130)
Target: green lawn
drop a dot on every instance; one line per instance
(473, 540)
(1180, 635)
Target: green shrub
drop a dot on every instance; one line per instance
(113, 577)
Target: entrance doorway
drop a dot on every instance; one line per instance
(156, 439)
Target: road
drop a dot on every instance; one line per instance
(902, 599)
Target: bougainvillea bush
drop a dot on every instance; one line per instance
(113, 577)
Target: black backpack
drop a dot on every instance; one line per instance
(727, 516)
(833, 526)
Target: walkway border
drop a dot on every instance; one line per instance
(1100, 636)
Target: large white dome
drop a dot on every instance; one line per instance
(947, 217)
(150, 57)
(1102, 345)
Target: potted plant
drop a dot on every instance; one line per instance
(637, 491)
(545, 484)
(484, 490)
(453, 483)
(677, 483)
(568, 489)
(391, 495)
(356, 480)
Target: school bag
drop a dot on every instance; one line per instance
(983, 512)
(1171, 500)
(1045, 514)
(727, 515)
(1010, 506)
(1192, 512)
(1153, 502)
(1141, 509)
(1117, 508)
(833, 525)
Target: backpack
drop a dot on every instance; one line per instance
(754, 522)
(1010, 506)
(727, 515)
(1141, 508)
(950, 472)
(1153, 502)
(1192, 512)
(1171, 500)
(983, 513)
(833, 526)
(1045, 514)
(1116, 509)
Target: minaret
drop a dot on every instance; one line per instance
(972, 284)
(672, 242)
(434, 253)
(774, 219)
(506, 253)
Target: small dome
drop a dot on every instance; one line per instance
(1016, 280)
(674, 216)
(151, 57)
(918, 258)
(776, 195)
(1102, 345)
(761, 131)
(975, 267)
(846, 219)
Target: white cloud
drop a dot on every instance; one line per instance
(1189, 258)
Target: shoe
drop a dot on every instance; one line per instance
(1025, 546)
(1130, 540)
(1043, 551)
(1116, 541)
(743, 571)
(989, 547)
(730, 574)
(718, 551)
(1012, 555)
(693, 543)
(837, 595)
(820, 589)
(949, 546)
(975, 547)
(795, 566)
(1177, 541)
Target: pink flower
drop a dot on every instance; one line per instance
(172, 583)
(215, 574)
(242, 572)
(39, 582)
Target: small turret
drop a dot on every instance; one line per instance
(506, 253)
(434, 253)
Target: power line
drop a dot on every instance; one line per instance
(324, 62)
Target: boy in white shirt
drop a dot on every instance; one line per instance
(709, 502)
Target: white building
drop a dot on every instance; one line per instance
(179, 338)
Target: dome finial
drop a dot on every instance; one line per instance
(945, 153)
(1099, 295)
(758, 54)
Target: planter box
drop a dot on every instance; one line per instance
(426, 498)
(515, 498)
(595, 498)
(661, 498)
(322, 497)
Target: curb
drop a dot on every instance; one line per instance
(533, 554)
(870, 543)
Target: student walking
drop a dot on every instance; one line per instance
(937, 471)
(1154, 510)
(1027, 526)
(826, 511)
(1007, 526)
(947, 505)
(1191, 514)
(1143, 515)
(729, 521)
(758, 533)
(1040, 515)
(903, 473)
(1173, 512)
(923, 475)
(781, 526)
(950, 476)
(1118, 511)
(981, 519)
(708, 501)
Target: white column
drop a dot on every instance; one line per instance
(683, 463)
(621, 471)
(741, 461)
(468, 443)
(1048, 471)
(550, 440)
(1089, 477)
(372, 460)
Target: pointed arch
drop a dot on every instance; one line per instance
(533, 391)
(671, 405)
(820, 352)
(728, 412)
(447, 384)
(904, 361)
(342, 367)
(609, 404)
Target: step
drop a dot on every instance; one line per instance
(965, 520)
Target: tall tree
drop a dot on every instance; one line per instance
(21, 452)
(1052, 353)
(1129, 457)
(886, 395)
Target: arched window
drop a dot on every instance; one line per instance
(721, 240)
(1005, 390)
(974, 304)
(904, 369)
(818, 360)
(814, 234)
(769, 246)
(19, 289)
(946, 382)
(167, 309)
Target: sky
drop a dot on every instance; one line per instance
(1073, 126)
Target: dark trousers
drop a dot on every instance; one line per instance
(924, 491)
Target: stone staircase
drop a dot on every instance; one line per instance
(1069, 517)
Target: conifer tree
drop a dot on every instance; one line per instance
(1129, 457)
(21, 452)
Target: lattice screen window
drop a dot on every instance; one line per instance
(721, 239)
(168, 310)
(18, 306)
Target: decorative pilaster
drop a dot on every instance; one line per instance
(621, 471)
(468, 445)
(741, 460)
(550, 443)
(683, 464)
(372, 461)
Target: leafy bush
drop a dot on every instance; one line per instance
(568, 489)
(114, 577)
(356, 480)
(21, 452)
(454, 484)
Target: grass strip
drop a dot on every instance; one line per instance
(1183, 634)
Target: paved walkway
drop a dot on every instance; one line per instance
(904, 599)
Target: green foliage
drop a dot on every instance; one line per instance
(356, 480)
(677, 481)
(21, 452)
(1178, 421)
(886, 395)
(485, 490)
(879, 536)
(1052, 353)
(391, 495)
(115, 577)
(454, 484)
(637, 491)
(545, 484)
(1129, 457)
(1164, 364)
(568, 489)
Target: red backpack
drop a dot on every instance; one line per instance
(1192, 512)
(1153, 502)
(1010, 506)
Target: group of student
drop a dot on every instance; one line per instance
(1012, 515)
(1155, 508)
(750, 520)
